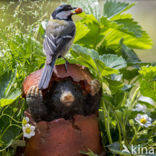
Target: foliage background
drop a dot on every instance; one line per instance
(109, 57)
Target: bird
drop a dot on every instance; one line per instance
(59, 35)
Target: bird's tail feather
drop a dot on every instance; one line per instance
(46, 75)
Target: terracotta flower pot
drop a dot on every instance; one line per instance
(65, 137)
(62, 137)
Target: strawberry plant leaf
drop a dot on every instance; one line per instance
(148, 82)
(112, 8)
(113, 61)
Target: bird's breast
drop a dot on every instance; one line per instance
(55, 27)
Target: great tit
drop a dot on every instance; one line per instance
(59, 36)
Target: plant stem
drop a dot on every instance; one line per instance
(106, 120)
(118, 124)
(134, 98)
(124, 99)
(134, 137)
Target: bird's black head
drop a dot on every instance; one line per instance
(63, 12)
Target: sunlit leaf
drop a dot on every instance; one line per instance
(113, 37)
(94, 31)
(113, 7)
(148, 82)
(128, 29)
(81, 31)
(10, 98)
(130, 26)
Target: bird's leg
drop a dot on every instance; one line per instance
(66, 63)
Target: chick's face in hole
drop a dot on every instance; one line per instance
(65, 99)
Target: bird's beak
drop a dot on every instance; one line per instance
(73, 8)
(76, 11)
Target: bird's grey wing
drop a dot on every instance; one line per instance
(68, 29)
(49, 46)
(53, 44)
(65, 37)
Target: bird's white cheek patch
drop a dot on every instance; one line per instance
(67, 98)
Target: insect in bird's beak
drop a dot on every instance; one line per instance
(77, 11)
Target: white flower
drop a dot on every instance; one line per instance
(144, 120)
(140, 108)
(25, 121)
(28, 130)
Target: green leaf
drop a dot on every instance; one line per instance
(109, 32)
(114, 35)
(81, 31)
(129, 74)
(87, 55)
(148, 82)
(113, 7)
(128, 53)
(146, 100)
(5, 102)
(130, 26)
(10, 98)
(115, 86)
(94, 30)
(14, 94)
(41, 30)
(104, 70)
(118, 98)
(10, 124)
(89, 153)
(132, 33)
(6, 82)
(9, 134)
(90, 58)
(4, 122)
(113, 61)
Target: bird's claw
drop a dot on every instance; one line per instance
(66, 64)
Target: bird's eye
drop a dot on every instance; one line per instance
(68, 8)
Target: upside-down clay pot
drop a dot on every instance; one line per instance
(65, 137)
(62, 137)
